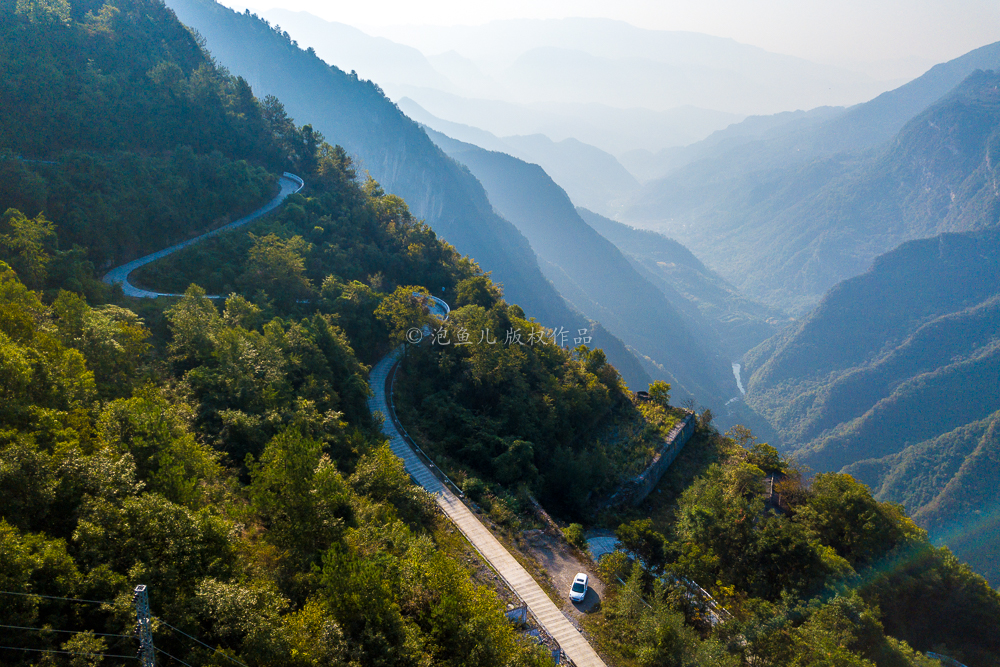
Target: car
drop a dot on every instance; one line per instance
(579, 589)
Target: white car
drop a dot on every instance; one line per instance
(579, 589)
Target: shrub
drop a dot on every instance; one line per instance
(574, 535)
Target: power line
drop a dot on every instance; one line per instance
(201, 642)
(48, 650)
(71, 632)
(160, 650)
(55, 597)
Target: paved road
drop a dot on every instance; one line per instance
(555, 623)
(119, 275)
(548, 614)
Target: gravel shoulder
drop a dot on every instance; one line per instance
(561, 563)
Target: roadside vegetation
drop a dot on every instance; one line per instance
(220, 451)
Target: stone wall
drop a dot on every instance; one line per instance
(635, 490)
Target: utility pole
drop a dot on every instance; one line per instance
(143, 630)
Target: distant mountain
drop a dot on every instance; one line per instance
(590, 176)
(649, 165)
(495, 93)
(719, 315)
(595, 276)
(880, 119)
(549, 74)
(893, 374)
(460, 131)
(347, 48)
(396, 152)
(802, 223)
(600, 60)
(612, 129)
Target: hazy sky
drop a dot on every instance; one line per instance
(820, 30)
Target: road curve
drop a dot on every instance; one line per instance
(290, 183)
(576, 647)
(544, 610)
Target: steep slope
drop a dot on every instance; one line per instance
(880, 119)
(712, 307)
(949, 484)
(593, 274)
(391, 147)
(805, 216)
(147, 143)
(895, 377)
(590, 176)
(146, 76)
(896, 356)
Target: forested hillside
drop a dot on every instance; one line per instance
(225, 457)
(888, 366)
(97, 102)
(816, 573)
(593, 275)
(786, 218)
(221, 450)
(356, 114)
(711, 306)
(948, 485)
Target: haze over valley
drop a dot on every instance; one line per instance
(362, 334)
(774, 177)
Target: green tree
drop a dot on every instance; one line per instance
(517, 464)
(477, 291)
(639, 538)
(168, 458)
(194, 323)
(301, 512)
(841, 513)
(766, 457)
(25, 244)
(402, 311)
(659, 393)
(277, 267)
(380, 475)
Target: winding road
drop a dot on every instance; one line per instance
(290, 183)
(548, 615)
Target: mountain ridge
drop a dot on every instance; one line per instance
(807, 222)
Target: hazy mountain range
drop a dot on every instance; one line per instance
(780, 209)
(591, 177)
(896, 375)
(397, 153)
(603, 82)
(593, 274)
(787, 214)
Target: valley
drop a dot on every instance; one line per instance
(327, 343)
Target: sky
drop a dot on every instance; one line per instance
(918, 32)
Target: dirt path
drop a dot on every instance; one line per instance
(561, 563)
